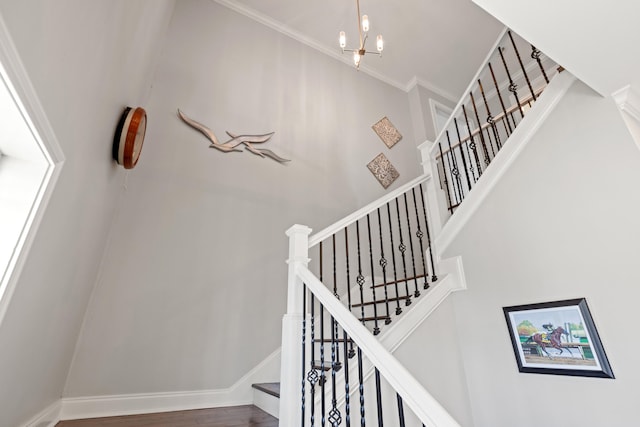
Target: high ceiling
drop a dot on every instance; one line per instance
(437, 43)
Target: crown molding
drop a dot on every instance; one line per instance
(415, 81)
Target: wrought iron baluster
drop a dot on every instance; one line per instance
(455, 172)
(524, 70)
(304, 337)
(535, 54)
(507, 125)
(361, 388)
(513, 88)
(383, 264)
(347, 397)
(400, 411)
(351, 351)
(376, 328)
(335, 282)
(312, 376)
(335, 418)
(484, 145)
(402, 248)
(360, 278)
(420, 235)
(379, 398)
(323, 377)
(426, 226)
(393, 258)
(464, 162)
(490, 118)
(473, 144)
(413, 259)
(446, 182)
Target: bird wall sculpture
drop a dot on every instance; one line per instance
(235, 140)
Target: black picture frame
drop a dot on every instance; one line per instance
(557, 338)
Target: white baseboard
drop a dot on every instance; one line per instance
(129, 404)
(48, 417)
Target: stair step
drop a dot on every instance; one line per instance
(327, 365)
(393, 282)
(372, 318)
(382, 301)
(270, 388)
(329, 340)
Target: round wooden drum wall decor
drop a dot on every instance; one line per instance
(129, 136)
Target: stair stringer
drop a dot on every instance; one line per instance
(452, 279)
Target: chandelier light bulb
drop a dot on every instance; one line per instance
(343, 39)
(365, 23)
(379, 43)
(356, 58)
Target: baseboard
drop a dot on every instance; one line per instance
(239, 393)
(48, 417)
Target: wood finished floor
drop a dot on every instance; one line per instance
(235, 416)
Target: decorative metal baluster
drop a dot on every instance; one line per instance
(361, 388)
(312, 376)
(304, 336)
(473, 144)
(446, 182)
(335, 418)
(351, 351)
(507, 125)
(402, 248)
(323, 377)
(379, 398)
(426, 226)
(347, 409)
(360, 278)
(484, 145)
(455, 172)
(513, 88)
(383, 264)
(393, 258)
(535, 54)
(376, 328)
(419, 235)
(524, 70)
(464, 162)
(400, 410)
(335, 282)
(490, 119)
(413, 260)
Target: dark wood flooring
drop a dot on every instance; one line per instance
(234, 416)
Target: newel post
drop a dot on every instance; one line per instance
(291, 352)
(436, 204)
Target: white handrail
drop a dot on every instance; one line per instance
(424, 406)
(348, 220)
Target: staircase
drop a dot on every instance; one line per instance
(375, 275)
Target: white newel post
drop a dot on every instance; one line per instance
(435, 203)
(291, 354)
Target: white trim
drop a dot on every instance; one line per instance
(505, 158)
(24, 95)
(350, 219)
(415, 81)
(414, 395)
(433, 106)
(239, 393)
(628, 100)
(48, 417)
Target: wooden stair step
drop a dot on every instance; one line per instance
(369, 319)
(382, 301)
(393, 282)
(270, 388)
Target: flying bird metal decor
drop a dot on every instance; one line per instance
(235, 140)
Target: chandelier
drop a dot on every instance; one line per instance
(363, 32)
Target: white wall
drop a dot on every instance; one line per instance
(84, 72)
(561, 224)
(194, 279)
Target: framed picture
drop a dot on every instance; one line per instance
(557, 338)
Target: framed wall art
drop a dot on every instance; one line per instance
(557, 338)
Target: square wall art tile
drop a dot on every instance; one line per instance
(383, 170)
(387, 132)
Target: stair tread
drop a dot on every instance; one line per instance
(270, 388)
(393, 282)
(382, 301)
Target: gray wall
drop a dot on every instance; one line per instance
(562, 223)
(84, 73)
(193, 283)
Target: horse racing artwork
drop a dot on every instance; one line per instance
(557, 338)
